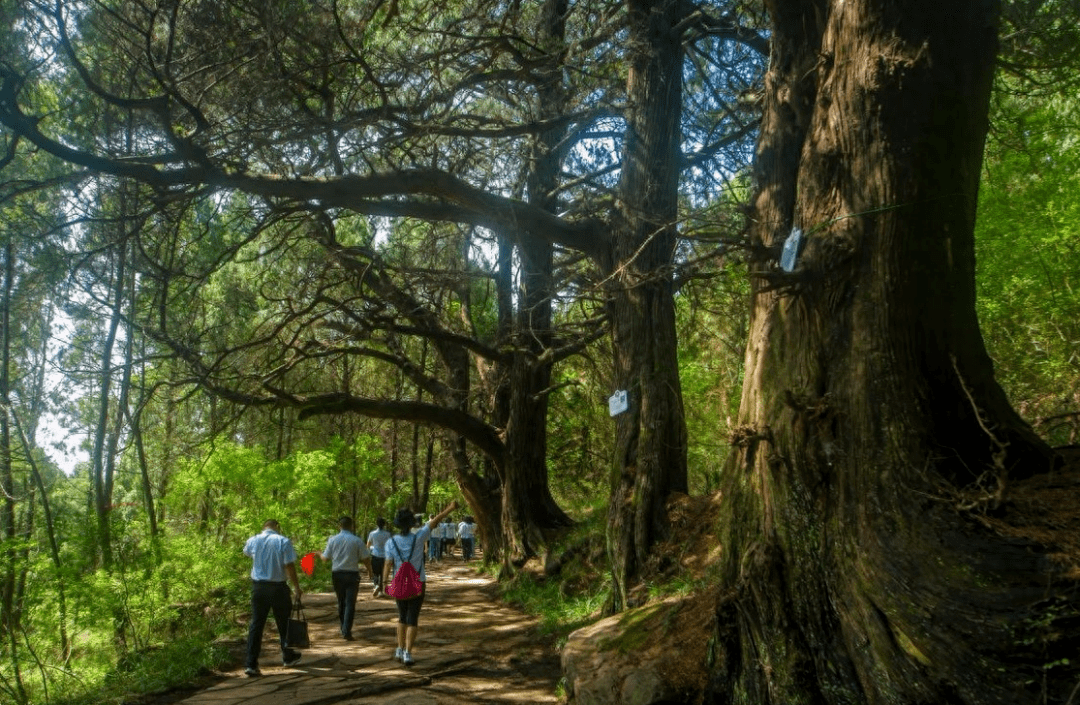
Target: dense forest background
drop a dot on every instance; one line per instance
(306, 259)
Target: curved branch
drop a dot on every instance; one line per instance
(482, 435)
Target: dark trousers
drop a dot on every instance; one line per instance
(377, 569)
(346, 586)
(265, 598)
(467, 549)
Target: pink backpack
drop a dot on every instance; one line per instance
(406, 583)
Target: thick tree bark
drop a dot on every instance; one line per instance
(483, 494)
(871, 425)
(650, 445)
(529, 510)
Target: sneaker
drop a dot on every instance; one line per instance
(406, 658)
(375, 592)
(252, 672)
(399, 653)
(291, 658)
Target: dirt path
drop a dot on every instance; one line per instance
(469, 649)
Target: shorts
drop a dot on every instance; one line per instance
(409, 610)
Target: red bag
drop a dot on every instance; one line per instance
(406, 583)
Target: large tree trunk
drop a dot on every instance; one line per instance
(650, 437)
(870, 424)
(529, 510)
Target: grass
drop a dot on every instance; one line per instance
(572, 598)
(559, 612)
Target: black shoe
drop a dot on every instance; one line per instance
(348, 637)
(252, 672)
(291, 658)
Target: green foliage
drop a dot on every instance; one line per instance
(229, 494)
(578, 446)
(713, 318)
(560, 611)
(151, 622)
(1028, 249)
(176, 662)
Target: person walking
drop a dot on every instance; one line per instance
(346, 552)
(376, 541)
(448, 537)
(466, 532)
(402, 547)
(434, 541)
(273, 560)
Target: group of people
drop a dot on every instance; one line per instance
(446, 534)
(383, 554)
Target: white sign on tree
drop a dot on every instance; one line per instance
(617, 403)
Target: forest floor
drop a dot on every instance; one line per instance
(470, 648)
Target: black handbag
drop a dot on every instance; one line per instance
(296, 634)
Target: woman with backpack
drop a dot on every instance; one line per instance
(405, 550)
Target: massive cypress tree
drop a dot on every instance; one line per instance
(873, 437)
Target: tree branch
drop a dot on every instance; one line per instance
(482, 435)
(453, 197)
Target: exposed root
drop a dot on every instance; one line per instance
(997, 472)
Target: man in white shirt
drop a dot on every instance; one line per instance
(448, 538)
(465, 535)
(434, 542)
(346, 551)
(273, 559)
(376, 541)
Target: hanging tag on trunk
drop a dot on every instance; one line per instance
(617, 403)
(791, 250)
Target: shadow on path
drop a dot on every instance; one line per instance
(469, 649)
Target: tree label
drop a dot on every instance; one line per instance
(617, 403)
(791, 250)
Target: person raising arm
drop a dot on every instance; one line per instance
(399, 549)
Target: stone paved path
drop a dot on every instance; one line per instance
(469, 649)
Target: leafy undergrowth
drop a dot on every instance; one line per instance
(570, 587)
(176, 664)
(164, 673)
(567, 589)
